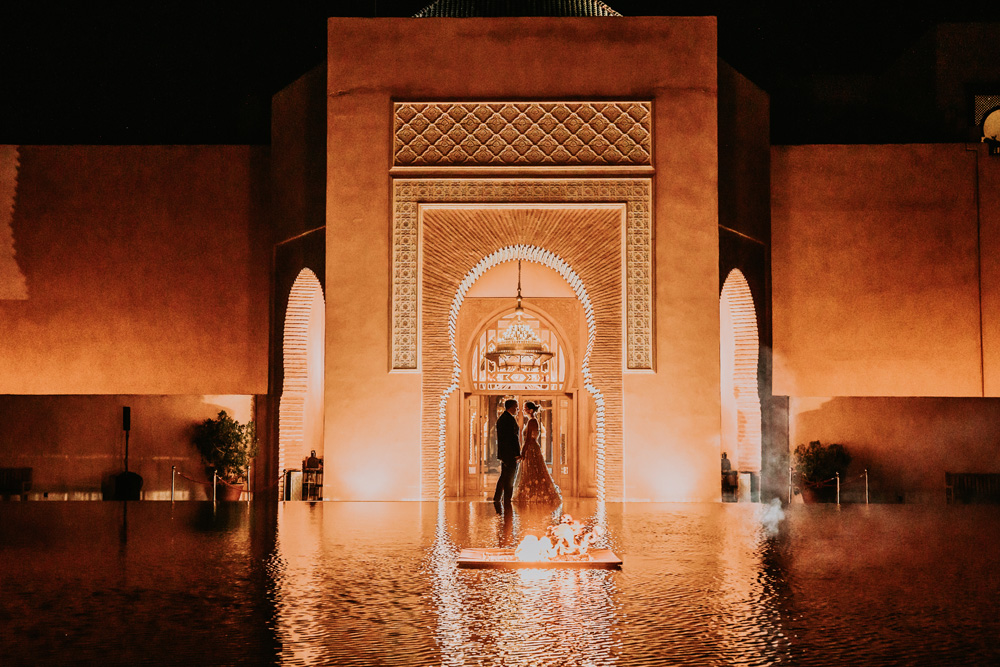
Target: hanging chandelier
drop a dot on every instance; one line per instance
(518, 346)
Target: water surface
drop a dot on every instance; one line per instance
(376, 584)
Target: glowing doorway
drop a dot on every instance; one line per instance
(301, 408)
(741, 416)
(548, 385)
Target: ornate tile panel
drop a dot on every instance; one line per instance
(477, 134)
(634, 193)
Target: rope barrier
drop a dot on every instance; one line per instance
(276, 483)
(826, 483)
(190, 479)
(177, 473)
(222, 481)
(218, 480)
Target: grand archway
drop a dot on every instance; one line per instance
(552, 384)
(583, 243)
(532, 254)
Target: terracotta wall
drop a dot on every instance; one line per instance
(296, 222)
(989, 238)
(74, 444)
(907, 444)
(887, 300)
(745, 239)
(298, 156)
(142, 272)
(876, 258)
(671, 417)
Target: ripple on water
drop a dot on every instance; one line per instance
(376, 584)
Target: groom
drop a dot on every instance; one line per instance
(509, 453)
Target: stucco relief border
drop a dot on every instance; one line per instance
(634, 193)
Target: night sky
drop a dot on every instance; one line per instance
(204, 72)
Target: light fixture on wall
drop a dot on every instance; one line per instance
(991, 132)
(518, 345)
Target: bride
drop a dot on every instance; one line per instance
(534, 483)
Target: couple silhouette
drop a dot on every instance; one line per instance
(524, 477)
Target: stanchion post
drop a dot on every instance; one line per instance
(248, 483)
(215, 479)
(866, 486)
(838, 488)
(789, 485)
(173, 475)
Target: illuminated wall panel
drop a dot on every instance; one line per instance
(875, 271)
(143, 269)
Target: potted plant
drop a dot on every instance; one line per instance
(227, 446)
(816, 465)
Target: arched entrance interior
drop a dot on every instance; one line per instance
(583, 244)
(551, 384)
(741, 415)
(301, 406)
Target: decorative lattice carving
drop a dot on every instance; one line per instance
(634, 193)
(468, 134)
(983, 105)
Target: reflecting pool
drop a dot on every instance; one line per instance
(375, 584)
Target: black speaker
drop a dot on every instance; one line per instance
(126, 418)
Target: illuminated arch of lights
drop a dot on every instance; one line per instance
(528, 253)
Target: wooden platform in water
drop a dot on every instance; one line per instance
(486, 558)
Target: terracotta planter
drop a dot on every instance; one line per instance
(226, 491)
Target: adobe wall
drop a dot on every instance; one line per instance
(670, 416)
(907, 444)
(989, 236)
(298, 156)
(745, 240)
(875, 263)
(74, 444)
(141, 269)
(296, 221)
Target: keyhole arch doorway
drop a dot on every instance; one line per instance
(739, 346)
(539, 255)
(301, 406)
(550, 384)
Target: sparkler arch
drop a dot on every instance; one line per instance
(529, 253)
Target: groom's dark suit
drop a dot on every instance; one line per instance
(508, 449)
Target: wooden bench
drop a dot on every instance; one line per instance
(15, 482)
(972, 487)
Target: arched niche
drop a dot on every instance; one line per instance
(301, 405)
(739, 345)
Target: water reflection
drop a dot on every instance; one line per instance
(529, 616)
(376, 584)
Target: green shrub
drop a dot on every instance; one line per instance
(226, 445)
(817, 463)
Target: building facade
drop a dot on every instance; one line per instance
(344, 286)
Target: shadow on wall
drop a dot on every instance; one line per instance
(906, 443)
(75, 444)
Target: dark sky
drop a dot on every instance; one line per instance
(203, 72)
